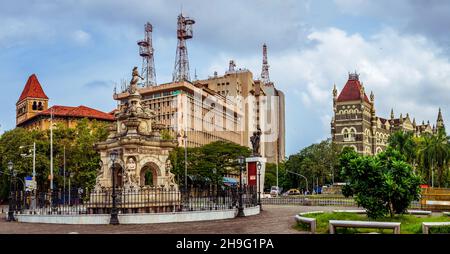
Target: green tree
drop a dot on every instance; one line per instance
(382, 184)
(81, 158)
(317, 162)
(165, 135)
(10, 150)
(209, 162)
(271, 176)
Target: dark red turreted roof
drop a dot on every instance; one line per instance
(32, 89)
(80, 111)
(351, 92)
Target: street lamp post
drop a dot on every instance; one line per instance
(185, 160)
(11, 199)
(241, 161)
(114, 215)
(306, 179)
(71, 175)
(34, 187)
(259, 185)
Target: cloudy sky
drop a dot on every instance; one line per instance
(79, 49)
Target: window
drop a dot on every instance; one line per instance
(40, 106)
(349, 134)
(346, 135)
(352, 134)
(34, 107)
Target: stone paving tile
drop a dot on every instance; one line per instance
(272, 220)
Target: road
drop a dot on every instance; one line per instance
(275, 219)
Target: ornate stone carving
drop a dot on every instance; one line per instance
(130, 174)
(170, 176)
(134, 80)
(138, 142)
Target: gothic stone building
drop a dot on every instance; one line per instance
(356, 125)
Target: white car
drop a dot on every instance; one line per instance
(274, 191)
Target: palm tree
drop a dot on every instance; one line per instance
(441, 142)
(403, 141)
(434, 151)
(425, 154)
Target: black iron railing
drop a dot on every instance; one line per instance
(133, 200)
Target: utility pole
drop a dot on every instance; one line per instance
(185, 159)
(64, 173)
(278, 187)
(34, 161)
(51, 150)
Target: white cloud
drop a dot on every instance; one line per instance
(81, 37)
(405, 72)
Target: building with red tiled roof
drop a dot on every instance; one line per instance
(32, 111)
(355, 124)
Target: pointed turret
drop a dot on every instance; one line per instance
(362, 92)
(440, 120)
(265, 67)
(32, 89)
(32, 100)
(372, 97)
(392, 113)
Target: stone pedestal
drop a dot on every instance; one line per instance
(252, 173)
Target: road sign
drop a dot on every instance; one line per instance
(30, 184)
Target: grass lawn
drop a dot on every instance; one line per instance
(410, 224)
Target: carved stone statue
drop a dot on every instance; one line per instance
(130, 173)
(98, 184)
(170, 176)
(255, 140)
(134, 80)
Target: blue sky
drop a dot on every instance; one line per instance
(79, 49)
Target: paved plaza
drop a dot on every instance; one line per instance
(273, 220)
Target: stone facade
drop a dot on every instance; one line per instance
(356, 125)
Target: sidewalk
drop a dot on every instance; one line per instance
(273, 220)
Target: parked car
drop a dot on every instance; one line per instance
(274, 191)
(292, 192)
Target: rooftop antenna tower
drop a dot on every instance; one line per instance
(184, 32)
(146, 52)
(265, 67)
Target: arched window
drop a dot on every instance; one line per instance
(40, 107)
(34, 107)
(352, 134)
(148, 178)
(367, 136)
(346, 135)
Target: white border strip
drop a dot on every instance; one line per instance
(142, 218)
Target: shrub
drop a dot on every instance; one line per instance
(382, 184)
